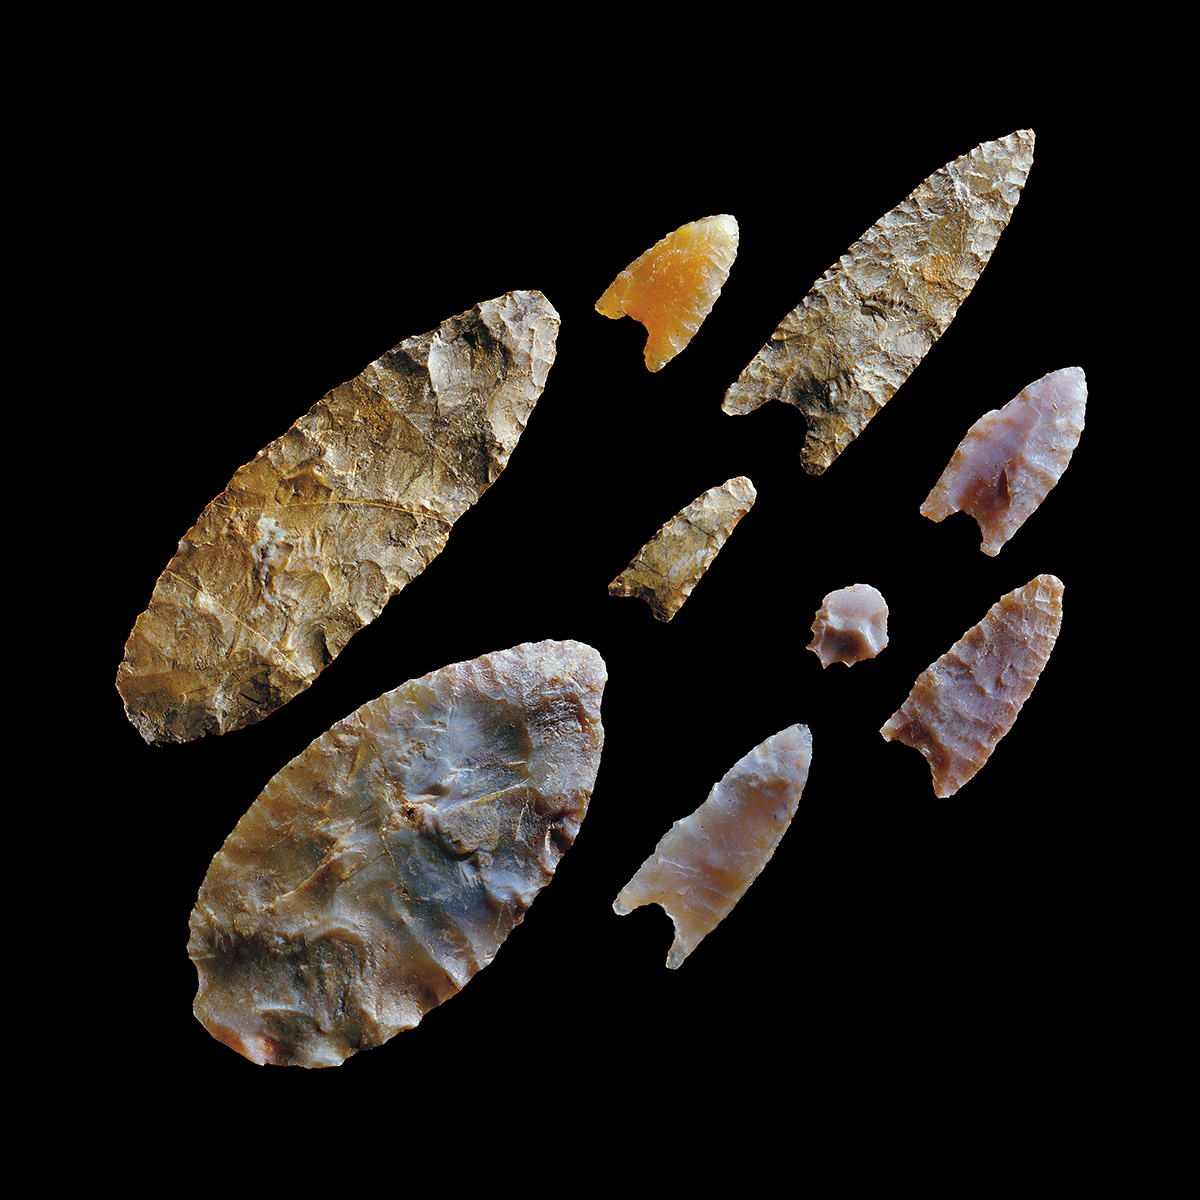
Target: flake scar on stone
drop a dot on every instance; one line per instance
(706, 862)
(311, 539)
(963, 704)
(673, 286)
(670, 565)
(1011, 457)
(842, 353)
(384, 866)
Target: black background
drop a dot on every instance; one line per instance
(896, 942)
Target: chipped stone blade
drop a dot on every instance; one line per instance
(1012, 457)
(706, 862)
(672, 562)
(673, 286)
(384, 866)
(841, 354)
(963, 704)
(311, 539)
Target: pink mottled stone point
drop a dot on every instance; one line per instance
(1011, 457)
(851, 625)
(705, 863)
(963, 704)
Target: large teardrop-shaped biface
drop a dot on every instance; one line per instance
(310, 540)
(385, 865)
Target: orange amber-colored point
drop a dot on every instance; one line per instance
(673, 286)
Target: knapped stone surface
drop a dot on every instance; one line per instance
(311, 539)
(384, 866)
(840, 355)
(850, 625)
(1011, 457)
(706, 862)
(673, 286)
(964, 703)
(670, 565)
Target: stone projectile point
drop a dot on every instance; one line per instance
(856, 337)
(383, 867)
(310, 540)
(673, 286)
(964, 703)
(705, 863)
(672, 562)
(1011, 458)
(850, 625)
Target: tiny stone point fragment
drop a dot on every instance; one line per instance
(670, 565)
(963, 704)
(850, 625)
(1011, 457)
(841, 354)
(706, 862)
(384, 866)
(311, 539)
(673, 286)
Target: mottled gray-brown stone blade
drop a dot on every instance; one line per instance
(311, 539)
(383, 867)
(964, 703)
(869, 320)
(705, 863)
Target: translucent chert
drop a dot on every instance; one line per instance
(673, 286)
(705, 862)
(1011, 458)
(311, 539)
(383, 867)
(673, 561)
(850, 625)
(842, 353)
(964, 703)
